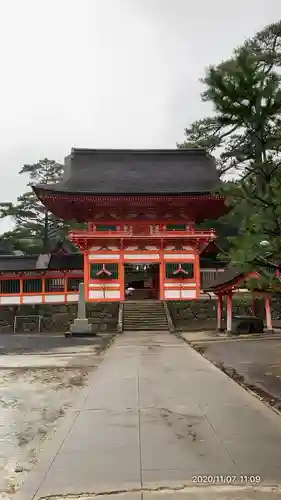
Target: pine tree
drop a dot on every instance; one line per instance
(244, 134)
(34, 226)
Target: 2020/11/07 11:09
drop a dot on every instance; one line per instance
(220, 479)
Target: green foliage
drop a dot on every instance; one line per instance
(246, 98)
(34, 227)
(244, 134)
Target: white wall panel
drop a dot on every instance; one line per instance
(10, 299)
(112, 294)
(96, 294)
(32, 299)
(179, 256)
(178, 285)
(172, 294)
(55, 299)
(105, 256)
(142, 256)
(188, 294)
(73, 297)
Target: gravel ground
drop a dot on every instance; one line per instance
(254, 364)
(258, 361)
(34, 395)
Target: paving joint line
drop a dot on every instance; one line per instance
(139, 426)
(186, 488)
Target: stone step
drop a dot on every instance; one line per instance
(144, 315)
(129, 325)
(145, 318)
(133, 314)
(143, 309)
(145, 327)
(143, 303)
(162, 323)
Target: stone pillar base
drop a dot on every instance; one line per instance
(81, 326)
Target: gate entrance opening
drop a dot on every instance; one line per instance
(142, 281)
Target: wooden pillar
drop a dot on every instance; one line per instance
(219, 313)
(197, 273)
(86, 275)
(65, 286)
(21, 289)
(162, 275)
(43, 289)
(122, 280)
(254, 306)
(229, 313)
(268, 314)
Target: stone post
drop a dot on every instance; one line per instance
(229, 313)
(268, 314)
(81, 311)
(81, 325)
(219, 313)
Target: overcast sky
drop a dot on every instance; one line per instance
(108, 73)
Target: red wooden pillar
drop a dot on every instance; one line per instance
(86, 274)
(65, 286)
(161, 274)
(229, 313)
(268, 314)
(219, 313)
(254, 306)
(122, 279)
(21, 289)
(43, 289)
(197, 273)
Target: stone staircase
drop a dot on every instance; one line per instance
(144, 315)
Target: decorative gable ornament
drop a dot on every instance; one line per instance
(103, 271)
(180, 270)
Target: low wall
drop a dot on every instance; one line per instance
(57, 317)
(202, 314)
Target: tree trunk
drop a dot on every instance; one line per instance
(46, 233)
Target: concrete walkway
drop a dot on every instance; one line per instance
(157, 414)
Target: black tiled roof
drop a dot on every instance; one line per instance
(28, 262)
(61, 244)
(67, 261)
(136, 172)
(208, 263)
(227, 276)
(5, 248)
(10, 263)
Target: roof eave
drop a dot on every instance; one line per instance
(63, 192)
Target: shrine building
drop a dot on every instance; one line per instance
(143, 209)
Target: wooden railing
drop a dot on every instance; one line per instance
(154, 233)
(207, 276)
(23, 289)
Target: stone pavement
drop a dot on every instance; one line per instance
(210, 336)
(156, 415)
